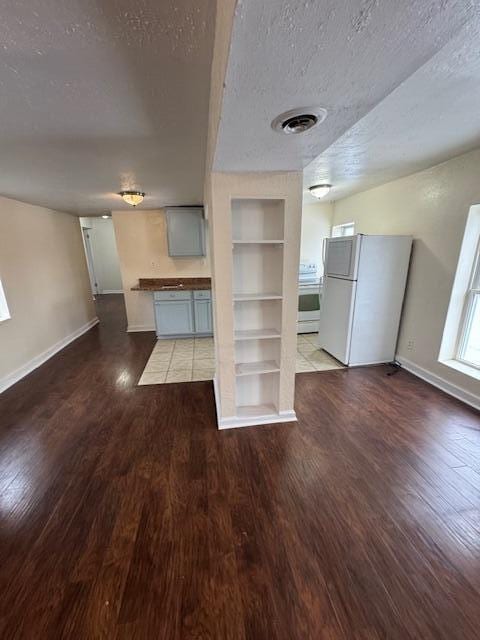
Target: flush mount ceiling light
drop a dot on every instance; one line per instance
(299, 120)
(105, 217)
(132, 197)
(320, 190)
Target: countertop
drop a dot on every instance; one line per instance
(173, 284)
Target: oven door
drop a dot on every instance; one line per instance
(308, 308)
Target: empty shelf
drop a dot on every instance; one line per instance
(258, 241)
(256, 410)
(241, 297)
(257, 334)
(248, 368)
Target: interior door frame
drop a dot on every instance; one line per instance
(90, 261)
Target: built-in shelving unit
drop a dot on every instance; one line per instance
(257, 254)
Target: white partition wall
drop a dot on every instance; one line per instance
(255, 222)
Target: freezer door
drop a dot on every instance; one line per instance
(336, 312)
(341, 260)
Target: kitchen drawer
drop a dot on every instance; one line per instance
(172, 295)
(204, 294)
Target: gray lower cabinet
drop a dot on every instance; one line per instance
(183, 313)
(174, 317)
(203, 316)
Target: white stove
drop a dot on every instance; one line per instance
(307, 273)
(309, 286)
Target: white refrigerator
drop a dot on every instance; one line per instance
(362, 299)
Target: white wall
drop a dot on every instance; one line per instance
(143, 253)
(44, 274)
(433, 206)
(105, 254)
(316, 225)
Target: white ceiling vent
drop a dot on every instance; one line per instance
(299, 120)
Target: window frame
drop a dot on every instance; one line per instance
(471, 296)
(342, 227)
(4, 310)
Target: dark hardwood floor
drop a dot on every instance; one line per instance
(125, 514)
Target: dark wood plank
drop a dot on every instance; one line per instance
(125, 514)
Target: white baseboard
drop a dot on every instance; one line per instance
(112, 291)
(134, 328)
(216, 394)
(274, 418)
(435, 380)
(235, 423)
(10, 379)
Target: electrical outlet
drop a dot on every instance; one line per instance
(410, 345)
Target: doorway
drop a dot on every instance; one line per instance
(101, 254)
(90, 262)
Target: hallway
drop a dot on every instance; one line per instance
(126, 514)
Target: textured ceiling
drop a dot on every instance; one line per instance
(429, 118)
(96, 96)
(350, 57)
(99, 96)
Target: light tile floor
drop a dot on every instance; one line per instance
(192, 359)
(310, 357)
(185, 360)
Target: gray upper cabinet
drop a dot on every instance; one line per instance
(185, 231)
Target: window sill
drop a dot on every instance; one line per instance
(473, 372)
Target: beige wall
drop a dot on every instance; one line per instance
(432, 206)
(316, 225)
(44, 274)
(142, 249)
(224, 14)
(105, 255)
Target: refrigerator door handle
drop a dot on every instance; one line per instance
(324, 247)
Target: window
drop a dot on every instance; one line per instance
(469, 341)
(460, 347)
(4, 312)
(347, 229)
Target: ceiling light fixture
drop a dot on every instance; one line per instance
(105, 217)
(132, 197)
(320, 190)
(299, 120)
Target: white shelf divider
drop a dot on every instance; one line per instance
(250, 368)
(244, 297)
(256, 411)
(253, 241)
(257, 334)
